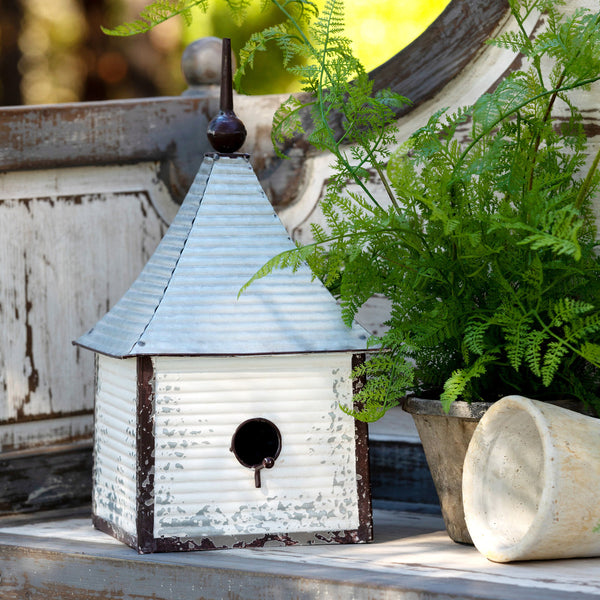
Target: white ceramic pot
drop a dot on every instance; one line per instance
(531, 482)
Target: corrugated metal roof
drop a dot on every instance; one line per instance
(185, 301)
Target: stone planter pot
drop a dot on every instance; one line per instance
(445, 439)
(531, 481)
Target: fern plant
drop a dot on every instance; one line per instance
(159, 11)
(487, 248)
(485, 243)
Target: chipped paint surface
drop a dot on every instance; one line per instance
(201, 490)
(29, 434)
(114, 496)
(71, 242)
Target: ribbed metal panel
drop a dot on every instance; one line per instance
(185, 301)
(201, 490)
(120, 329)
(114, 496)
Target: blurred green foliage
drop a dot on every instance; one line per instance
(54, 51)
(378, 30)
(268, 75)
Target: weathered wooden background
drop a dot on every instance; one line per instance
(87, 191)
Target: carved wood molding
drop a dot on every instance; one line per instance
(442, 51)
(171, 131)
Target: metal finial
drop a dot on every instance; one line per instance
(226, 132)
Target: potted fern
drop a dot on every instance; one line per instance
(484, 240)
(485, 246)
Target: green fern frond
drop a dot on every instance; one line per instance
(490, 109)
(518, 340)
(156, 13)
(516, 41)
(290, 259)
(534, 349)
(590, 324)
(287, 122)
(456, 385)
(533, 279)
(281, 35)
(552, 360)
(559, 232)
(574, 40)
(386, 380)
(542, 240)
(591, 352)
(567, 310)
(475, 334)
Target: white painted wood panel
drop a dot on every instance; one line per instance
(27, 435)
(114, 495)
(71, 243)
(201, 488)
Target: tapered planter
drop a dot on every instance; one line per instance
(445, 439)
(531, 482)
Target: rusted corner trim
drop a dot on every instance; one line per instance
(363, 474)
(113, 530)
(145, 455)
(221, 542)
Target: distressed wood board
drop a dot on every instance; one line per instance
(45, 478)
(410, 559)
(72, 242)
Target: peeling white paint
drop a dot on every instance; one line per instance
(201, 488)
(71, 241)
(114, 496)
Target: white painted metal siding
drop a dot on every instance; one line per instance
(115, 443)
(201, 488)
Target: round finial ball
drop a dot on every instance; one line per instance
(201, 62)
(226, 133)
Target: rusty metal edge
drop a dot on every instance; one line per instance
(145, 456)
(221, 542)
(363, 474)
(224, 542)
(115, 531)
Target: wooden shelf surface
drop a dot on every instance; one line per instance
(410, 558)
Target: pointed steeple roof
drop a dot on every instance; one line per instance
(185, 300)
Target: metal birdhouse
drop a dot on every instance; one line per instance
(217, 421)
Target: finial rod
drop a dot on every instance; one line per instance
(226, 132)
(226, 77)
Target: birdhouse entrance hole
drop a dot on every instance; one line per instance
(256, 444)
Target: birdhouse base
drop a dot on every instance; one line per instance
(200, 453)
(222, 542)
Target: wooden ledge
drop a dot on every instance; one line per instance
(410, 558)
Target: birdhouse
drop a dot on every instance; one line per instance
(217, 420)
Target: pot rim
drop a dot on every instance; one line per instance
(473, 411)
(433, 407)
